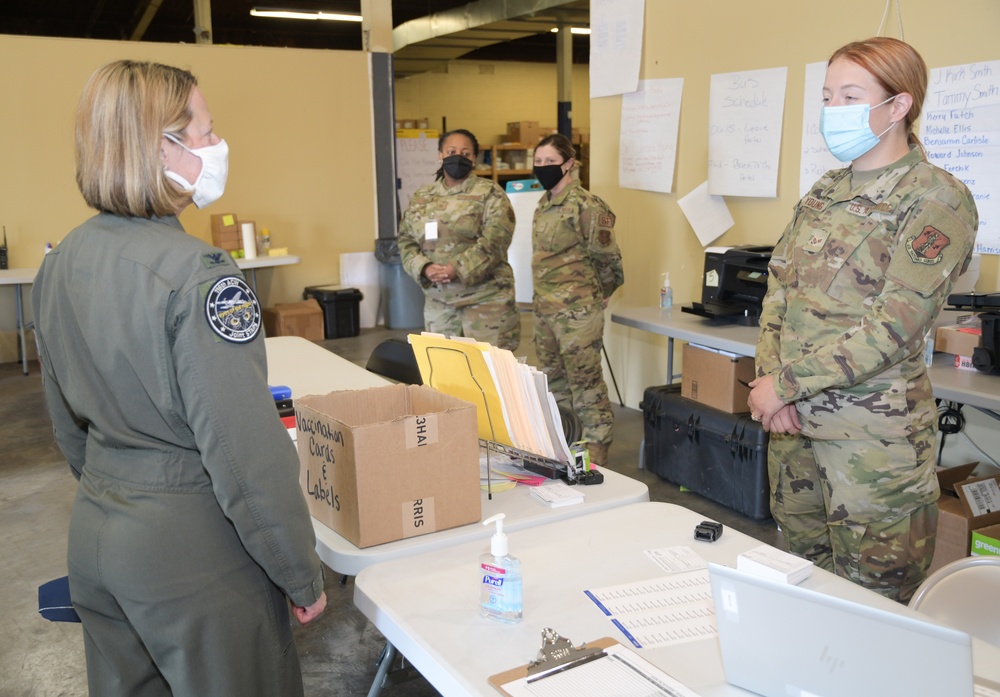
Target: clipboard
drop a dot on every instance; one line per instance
(607, 660)
(515, 674)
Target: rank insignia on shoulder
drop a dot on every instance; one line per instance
(926, 247)
(232, 310)
(213, 259)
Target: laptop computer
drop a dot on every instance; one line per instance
(779, 640)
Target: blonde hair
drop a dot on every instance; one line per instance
(124, 110)
(896, 66)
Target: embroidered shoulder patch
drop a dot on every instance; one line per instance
(604, 237)
(232, 310)
(605, 220)
(926, 247)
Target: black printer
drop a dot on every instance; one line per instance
(734, 284)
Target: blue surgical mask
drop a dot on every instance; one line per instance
(847, 132)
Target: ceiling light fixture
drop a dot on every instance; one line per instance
(574, 30)
(295, 14)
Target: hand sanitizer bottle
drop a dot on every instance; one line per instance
(500, 579)
(666, 293)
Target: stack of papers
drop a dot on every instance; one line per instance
(512, 399)
(767, 562)
(556, 494)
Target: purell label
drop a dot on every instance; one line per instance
(496, 581)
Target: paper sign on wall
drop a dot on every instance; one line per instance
(744, 132)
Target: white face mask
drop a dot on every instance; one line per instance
(211, 182)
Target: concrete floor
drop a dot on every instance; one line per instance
(338, 652)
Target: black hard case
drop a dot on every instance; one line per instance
(719, 455)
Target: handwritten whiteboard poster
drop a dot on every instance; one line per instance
(816, 158)
(960, 130)
(648, 141)
(615, 46)
(416, 163)
(744, 132)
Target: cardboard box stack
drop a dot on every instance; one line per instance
(226, 232)
(968, 509)
(389, 463)
(303, 319)
(524, 132)
(717, 378)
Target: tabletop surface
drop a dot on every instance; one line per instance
(267, 261)
(432, 617)
(967, 387)
(10, 277)
(310, 369)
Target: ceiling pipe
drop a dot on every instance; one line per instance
(475, 14)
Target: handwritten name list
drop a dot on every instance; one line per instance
(960, 129)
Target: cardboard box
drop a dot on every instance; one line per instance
(226, 232)
(965, 505)
(303, 319)
(958, 339)
(986, 541)
(390, 462)
(716, 378)
(526, 132)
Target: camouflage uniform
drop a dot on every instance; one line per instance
(475, 224)
(576, 266)
(856, 281)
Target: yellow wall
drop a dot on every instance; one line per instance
(298, 124)
(695, 40)
(483, 96)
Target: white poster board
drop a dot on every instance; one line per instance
(519, 253)
(648, 140)
(960, 130)
(615, 46)
(744, 132)
(816, 158)
(416, 163)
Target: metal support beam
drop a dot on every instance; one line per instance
(203, 21)
(564, 83)
(152, 6)
(376, 25)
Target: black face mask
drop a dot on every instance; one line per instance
(457, 166)
(549, 175)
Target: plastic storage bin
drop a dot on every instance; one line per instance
(341, 309)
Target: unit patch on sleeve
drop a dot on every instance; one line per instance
(926, 247)
(232, 310)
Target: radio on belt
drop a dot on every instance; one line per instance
(708, 530)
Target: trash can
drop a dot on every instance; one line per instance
(402, 297)
(341, 309)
